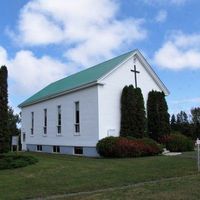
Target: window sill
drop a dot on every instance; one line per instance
(32, 135)
(59, 135)
(77, 134)
(78, 155)
(44, 135)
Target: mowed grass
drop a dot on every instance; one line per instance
(184, 188)
(61, 174)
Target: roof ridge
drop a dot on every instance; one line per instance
(92, 67)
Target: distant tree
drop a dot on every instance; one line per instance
(4, 134)
(173, 123)
(157, 115)
(13, 120)
(195, 112)
(183, 125)
(195, 115)
(182, 117)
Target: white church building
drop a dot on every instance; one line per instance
(71, 115)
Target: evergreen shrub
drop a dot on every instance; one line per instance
(157, 115)
(106, 146)
(15, 161)
(133, 119)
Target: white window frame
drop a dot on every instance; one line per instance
(77, 153)
(32, 123)
(56, 147)
(59, 121)
(45, 123)
(40, 148)
(76, 133)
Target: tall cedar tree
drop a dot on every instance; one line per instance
(152, 115)
(4, 135)
(158, 116)
(132, 112)
(132, 105)
(128, 103)
(140, 114)
(124, 112)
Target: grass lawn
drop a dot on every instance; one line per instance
(185, 188)
(61, 174)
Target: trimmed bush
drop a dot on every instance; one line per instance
(179, 143)
(15, 161)
(106, 146)
(127, 147)
(154, 145)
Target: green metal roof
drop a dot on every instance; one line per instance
(77, 80)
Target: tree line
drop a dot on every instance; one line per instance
(187, 124)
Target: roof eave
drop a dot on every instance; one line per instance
(153, 73)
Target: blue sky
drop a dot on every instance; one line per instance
(45, 40)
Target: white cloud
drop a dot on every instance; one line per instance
(28, 74)
(179, 51)
(90, 27)
(88, 31)
(161, 16)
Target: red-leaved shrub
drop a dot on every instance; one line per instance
(124, 147)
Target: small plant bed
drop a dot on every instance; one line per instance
(11, 161)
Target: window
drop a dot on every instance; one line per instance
(77, 117)
(39, 147)
(56, 149)
(32, 123)
(59, 120)
(78, 150)
(45, 121)
(24, 137)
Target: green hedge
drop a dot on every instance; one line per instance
(177, 142)
(127, 147)
(15, 161)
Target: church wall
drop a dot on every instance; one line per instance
(110, 94)
(88, 100)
